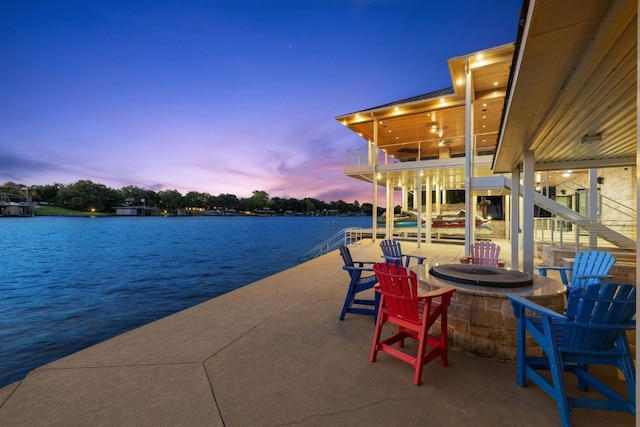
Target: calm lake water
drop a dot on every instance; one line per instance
(69, 283)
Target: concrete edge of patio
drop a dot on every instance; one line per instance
(273, 353)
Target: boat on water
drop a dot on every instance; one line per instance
(403, 219)
(457, 220)
(448, 219)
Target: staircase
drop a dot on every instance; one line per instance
(604, 232)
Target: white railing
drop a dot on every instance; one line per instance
(357, 158)
(346, 236)
(566, 233)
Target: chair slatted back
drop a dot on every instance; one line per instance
(399, 289)
(485, 253)
(391, 248)
(346, 256)
(591, 263)
(598, 315)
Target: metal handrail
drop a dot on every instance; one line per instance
(346, 236)
(613, 214)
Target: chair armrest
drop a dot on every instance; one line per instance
(543, 269)
(443, 290)
(518, 302)
(582, 280)
(418, 257)
(562, 270)
(594, 276)
(363, 263)
(391, 258)
(354, 268)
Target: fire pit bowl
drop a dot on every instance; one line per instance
(481, 275)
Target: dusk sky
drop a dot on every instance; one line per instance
(218, 96)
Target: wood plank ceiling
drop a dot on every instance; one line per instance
(420, 129)
(576, 76)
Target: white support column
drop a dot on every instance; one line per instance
(374, 213)
(515, 218)
(390, 213)
(438, 198)
(374, 176)
(428, 208)
(527, 211)
(592, 208)
(507, 217)
(417, 200)
(470, 220)
(405, 198)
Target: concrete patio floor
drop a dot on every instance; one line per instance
(274, 353)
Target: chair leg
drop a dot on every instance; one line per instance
(521, 355)
(625, 364)
(422, 345)
(444, 346)
(351, 296)
(376, 306)
(347, 303)
(376, 336)
(557, 390)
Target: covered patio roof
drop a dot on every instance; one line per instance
(574, 75)
(420, 126)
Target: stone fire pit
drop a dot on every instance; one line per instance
(481, 320)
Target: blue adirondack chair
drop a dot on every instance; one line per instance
(361, 279)
(591, 333)
(588, 267)
(392, 252)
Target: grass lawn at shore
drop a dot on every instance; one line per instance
(57, 210)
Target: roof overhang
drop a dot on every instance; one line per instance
(574, 75)
(418, 128)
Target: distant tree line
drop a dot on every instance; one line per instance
(85, 195)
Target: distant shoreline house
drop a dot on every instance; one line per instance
(544, 126)
(16, 205)
(134, 211)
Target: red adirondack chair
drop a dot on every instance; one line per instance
(413, 314)
(484, 253)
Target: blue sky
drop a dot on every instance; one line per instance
(218, 96)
